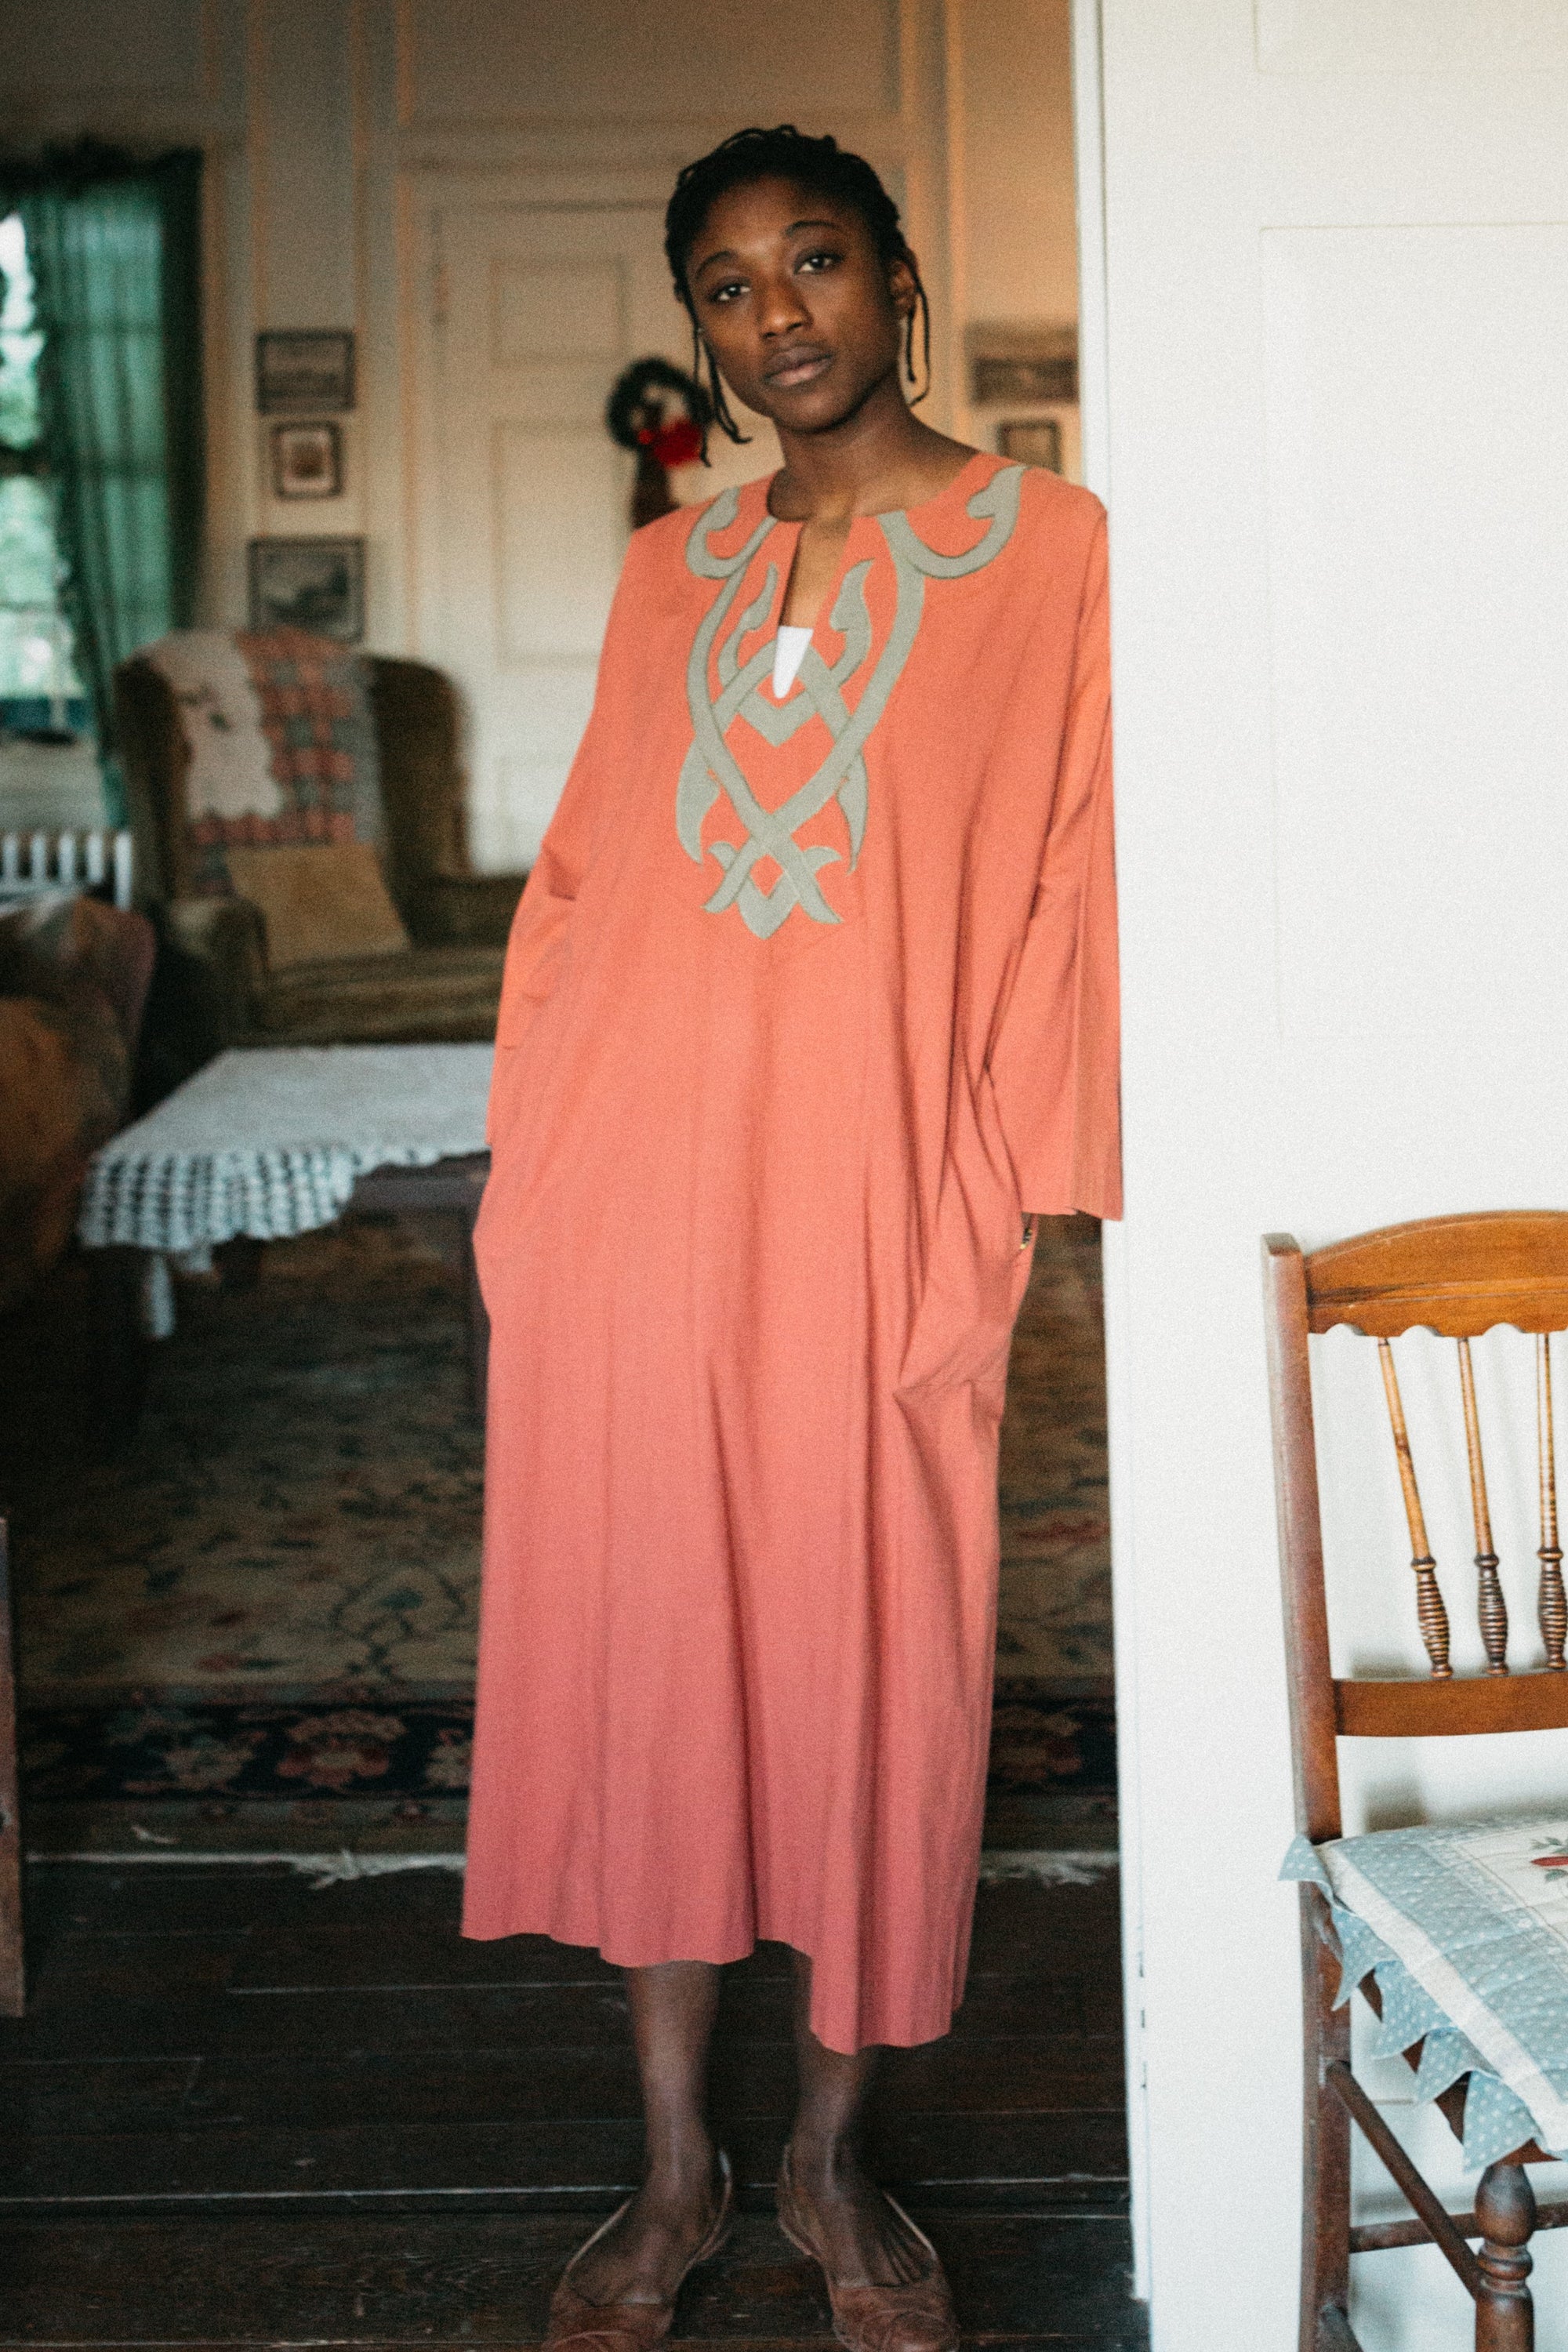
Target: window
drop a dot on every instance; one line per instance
(39, 687)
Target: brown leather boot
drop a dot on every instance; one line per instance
(917, 2317)
(628, 2327)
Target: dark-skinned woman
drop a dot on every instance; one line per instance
(809, 1012)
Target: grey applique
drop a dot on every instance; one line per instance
(710, 767)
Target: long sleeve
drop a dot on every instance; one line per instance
(1055, 1062)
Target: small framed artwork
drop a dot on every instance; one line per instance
(309, 584)
(1014, 363)
(304, 369)
(1032, 441)
(307, 461)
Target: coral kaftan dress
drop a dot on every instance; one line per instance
(808, 1002)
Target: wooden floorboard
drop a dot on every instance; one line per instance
(365, 2280)
(277, 1903)
(1044, 2074)
(244, 2110)
(567, 2162)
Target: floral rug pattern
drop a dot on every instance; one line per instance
(1041, 1741)
(173, 1747)
(300, 1506)
(1054, 1612)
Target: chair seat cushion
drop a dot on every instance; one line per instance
(436, 994)
(1466, 1930)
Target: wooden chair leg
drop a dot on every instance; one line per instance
(1326, 2148)
(11, 1976)
(1505, 2310)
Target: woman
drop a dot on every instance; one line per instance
(810, 1010)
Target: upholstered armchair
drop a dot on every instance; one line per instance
(227, 985)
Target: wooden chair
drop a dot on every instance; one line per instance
(1457, 1277)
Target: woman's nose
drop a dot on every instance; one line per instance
(779, 307)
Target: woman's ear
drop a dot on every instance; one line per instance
(902, 282)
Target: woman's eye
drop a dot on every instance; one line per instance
(727, 293)
(820, 260)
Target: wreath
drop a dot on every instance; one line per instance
(637, 413)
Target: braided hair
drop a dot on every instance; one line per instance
(819, 164)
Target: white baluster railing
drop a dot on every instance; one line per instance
(35, 865)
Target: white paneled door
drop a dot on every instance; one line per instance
(1336, 341)
(532, 311)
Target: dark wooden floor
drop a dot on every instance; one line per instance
(242, 2111)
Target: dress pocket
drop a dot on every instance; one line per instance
(977, 1266)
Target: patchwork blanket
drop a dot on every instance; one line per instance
(281, 742)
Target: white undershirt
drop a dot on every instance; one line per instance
(789, 652)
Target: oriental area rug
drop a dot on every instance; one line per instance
(263, 1609)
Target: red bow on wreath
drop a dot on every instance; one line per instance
(678, 443)
(657, 410)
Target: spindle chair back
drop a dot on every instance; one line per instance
(1457, 1277)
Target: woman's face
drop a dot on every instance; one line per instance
(802, 315)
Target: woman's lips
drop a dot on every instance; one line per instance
(787, 373)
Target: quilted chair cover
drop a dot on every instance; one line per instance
(1466, 1931)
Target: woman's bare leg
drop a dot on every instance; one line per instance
(642, 2258)
(863, 2242)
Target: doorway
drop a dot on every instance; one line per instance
(249, 1762)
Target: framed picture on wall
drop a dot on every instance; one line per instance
(1032, 441)
(304, 369)
(307, 461)
(1016, 363)
(309, 584)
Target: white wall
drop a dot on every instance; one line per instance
(1335, 315)
(1015, 215)
(1021, 258)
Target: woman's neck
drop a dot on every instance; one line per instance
(877, 460)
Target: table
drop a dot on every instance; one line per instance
(266, 1142)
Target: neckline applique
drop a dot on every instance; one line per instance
(711, 768)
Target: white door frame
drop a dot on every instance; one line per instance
(1088, 150)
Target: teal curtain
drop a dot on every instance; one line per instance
(115, 249)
